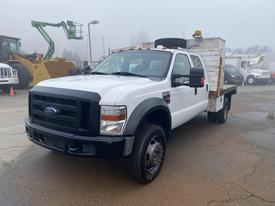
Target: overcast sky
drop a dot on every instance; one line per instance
(242, 23)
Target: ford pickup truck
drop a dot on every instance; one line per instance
(129, 103)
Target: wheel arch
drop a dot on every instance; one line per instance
(154, 111)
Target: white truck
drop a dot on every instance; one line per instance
(8, 77)
(250, 66)
(129, 103)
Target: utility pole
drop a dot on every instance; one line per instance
(103, 45)
(90, 46)
(94, 22)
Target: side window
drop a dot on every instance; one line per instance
(182, 67)
(196, 61)
(2, 72)
(243, 64)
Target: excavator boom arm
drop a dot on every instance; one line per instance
(71, 29)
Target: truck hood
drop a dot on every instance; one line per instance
(110, 86)
(2, 65)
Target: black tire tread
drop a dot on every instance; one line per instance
(211, 117)
(24, 76)
(135, 158)
(253, 79)
(220, 114)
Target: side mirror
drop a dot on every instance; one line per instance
(196, 77)
(101, 59)
(175, 82)
(87, 69)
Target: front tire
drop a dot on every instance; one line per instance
(250, 80)
(148, 153)
(23, 74)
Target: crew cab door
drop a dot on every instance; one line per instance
(202, 93)
(185, 101)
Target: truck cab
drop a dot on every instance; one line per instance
(7, 45)
(251, 67)
(126, 106)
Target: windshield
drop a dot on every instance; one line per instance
(231, 69)
(11, 45)
(139, 63)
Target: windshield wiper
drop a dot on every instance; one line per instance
(99, 73)
(129, 74)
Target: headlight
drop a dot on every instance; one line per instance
(112, 119)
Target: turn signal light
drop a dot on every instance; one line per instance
(113, 117)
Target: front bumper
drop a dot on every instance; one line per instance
(8, 81)
(99, 146)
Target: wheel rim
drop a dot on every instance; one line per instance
(154, 157)
(250, 80)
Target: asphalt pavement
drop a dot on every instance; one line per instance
(206, 164)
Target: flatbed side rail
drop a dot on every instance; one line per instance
(229, 89)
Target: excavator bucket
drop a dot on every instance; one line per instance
(58, 67)
(53, 68)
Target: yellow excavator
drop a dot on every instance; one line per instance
(36, 67)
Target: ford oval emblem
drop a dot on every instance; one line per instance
(50, 111)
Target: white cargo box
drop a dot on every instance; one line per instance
(212, 51)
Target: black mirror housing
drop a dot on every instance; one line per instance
(196, 77)
(87, 69)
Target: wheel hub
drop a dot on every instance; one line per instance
(154, 156)
(250, 80)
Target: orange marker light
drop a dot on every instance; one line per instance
(119, 117)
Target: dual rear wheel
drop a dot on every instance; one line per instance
(220, 116)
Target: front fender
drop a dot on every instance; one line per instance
(142, 110)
